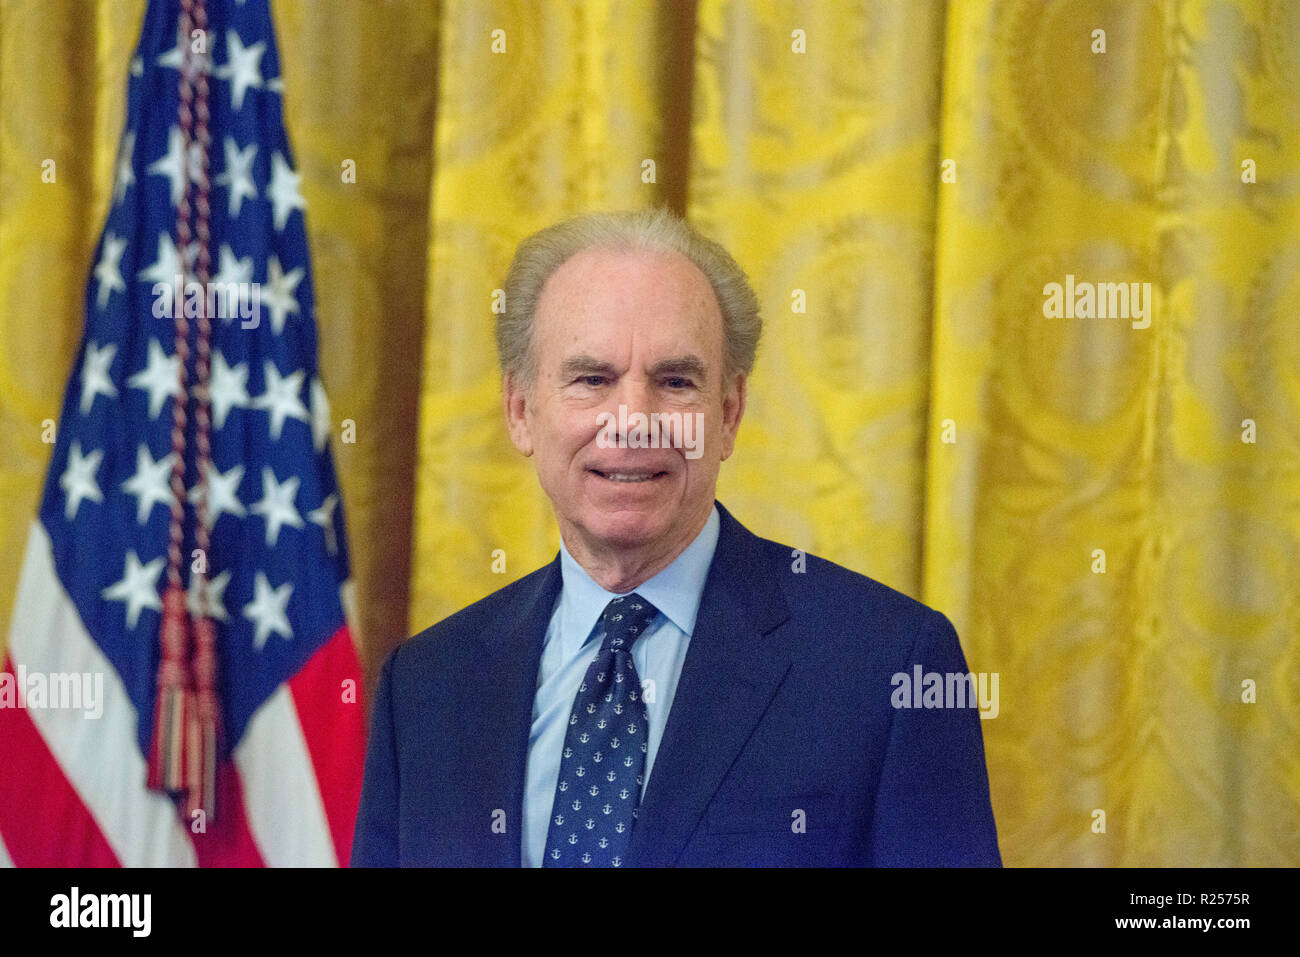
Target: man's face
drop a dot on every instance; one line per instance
(643, 330)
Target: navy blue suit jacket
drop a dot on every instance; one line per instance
(783, 706)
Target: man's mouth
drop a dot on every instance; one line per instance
(637, 476)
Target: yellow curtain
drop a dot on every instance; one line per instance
(1115, 527)
(1109, 514)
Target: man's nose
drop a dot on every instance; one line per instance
(636, 393)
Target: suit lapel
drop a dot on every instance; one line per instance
(496, 719)
(732, 669)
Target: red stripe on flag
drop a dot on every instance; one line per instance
(335, 732)
(228, 841)
(42, 819)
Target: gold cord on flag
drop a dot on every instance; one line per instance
(187, 714)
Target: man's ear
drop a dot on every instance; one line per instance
(516, 406)
(733, 410)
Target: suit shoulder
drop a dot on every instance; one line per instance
(451, 633)
(813, 585)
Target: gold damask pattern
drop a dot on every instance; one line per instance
(1122, 691)
(920, 420)
(544, 110)
(816, 169)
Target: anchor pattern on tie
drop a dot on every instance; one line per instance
(603, 761)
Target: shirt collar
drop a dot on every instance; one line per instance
(675, 591)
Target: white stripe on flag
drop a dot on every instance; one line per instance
(281, 797)
(100, 757)
(5, 859)
(348, 596)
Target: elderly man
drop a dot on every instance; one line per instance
(670, 689)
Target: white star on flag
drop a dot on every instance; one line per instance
(224, 492)
(138, 587)
(267, 610)
(238, 175)
(165, 268)
(227, 388)
(170, 165)
(78, 479)
(278, 292)
(160, 377)
(150, 483)
(109, 270)
(320, 414)
(242, 67)
(125, 169)
(276, 505)
(237, 272)
(95, 379)
(175, 58)
(215, 608)
(281, 398)
(324, 517)
(283, 191)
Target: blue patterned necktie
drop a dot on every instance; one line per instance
(603, 762)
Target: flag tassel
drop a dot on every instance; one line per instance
(205, 728)
(173, 707)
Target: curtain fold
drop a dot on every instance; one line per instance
(1098, 528)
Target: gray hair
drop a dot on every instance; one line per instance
(656, 230)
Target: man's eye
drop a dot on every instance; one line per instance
(677, 382)
(592, 380)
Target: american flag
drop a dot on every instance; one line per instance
(74, 785)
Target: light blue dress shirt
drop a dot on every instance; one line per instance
(572, 641)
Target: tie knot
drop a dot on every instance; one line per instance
(626, 618)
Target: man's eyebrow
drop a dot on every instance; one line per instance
(690, 366)
(580, 365)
